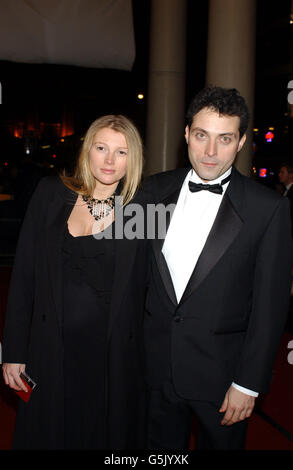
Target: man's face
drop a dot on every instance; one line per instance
(284, 176)
(213, 142)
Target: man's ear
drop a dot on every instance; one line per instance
(186, 133)
(241, 142)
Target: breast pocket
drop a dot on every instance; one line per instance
(230, 326)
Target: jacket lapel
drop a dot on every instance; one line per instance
(58, 215)
(157, 244)
(225, 229)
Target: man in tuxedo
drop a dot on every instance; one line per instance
(286, 178)
(219, 287)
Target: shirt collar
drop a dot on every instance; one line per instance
(196, 179)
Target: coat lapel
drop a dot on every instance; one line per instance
(125, 253)
(57, 219)
(225, 229)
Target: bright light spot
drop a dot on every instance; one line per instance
(140, 96)
(263, 172)
(269, 136)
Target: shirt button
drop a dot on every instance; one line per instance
(178, 318)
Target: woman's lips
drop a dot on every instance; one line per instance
(107, 172)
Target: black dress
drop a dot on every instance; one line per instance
(88, 269)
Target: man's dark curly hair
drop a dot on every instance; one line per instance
(225, 101)
(287, 165)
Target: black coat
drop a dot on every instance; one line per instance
(33, 327)
(228, 323)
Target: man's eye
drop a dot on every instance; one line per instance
(200, 135)
(226, 139)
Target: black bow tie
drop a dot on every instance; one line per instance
(214, 188)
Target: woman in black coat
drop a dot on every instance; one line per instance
(75, 307)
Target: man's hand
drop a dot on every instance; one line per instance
(237, 406)
(11, 376)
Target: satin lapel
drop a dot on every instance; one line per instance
(157, 245)
(225, 229)
(58, 215)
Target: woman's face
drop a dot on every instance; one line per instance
(108, 157)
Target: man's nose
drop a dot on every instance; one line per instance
(211, 148)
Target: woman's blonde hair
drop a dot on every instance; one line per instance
(83, 181)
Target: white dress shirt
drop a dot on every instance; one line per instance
(287, 189)
(190, 225)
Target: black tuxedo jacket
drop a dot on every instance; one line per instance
(289, 195)
(228, 323)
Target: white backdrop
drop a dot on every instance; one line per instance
(88, 33)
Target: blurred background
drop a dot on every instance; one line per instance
(47, 107)
(63, 63)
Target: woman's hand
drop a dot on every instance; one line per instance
(11, 376)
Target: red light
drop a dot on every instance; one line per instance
(54, 156)
(269, 136)
(263, 172)
(5, 163)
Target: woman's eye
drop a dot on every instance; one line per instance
(122, 152)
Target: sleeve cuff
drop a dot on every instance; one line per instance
(245, 390)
